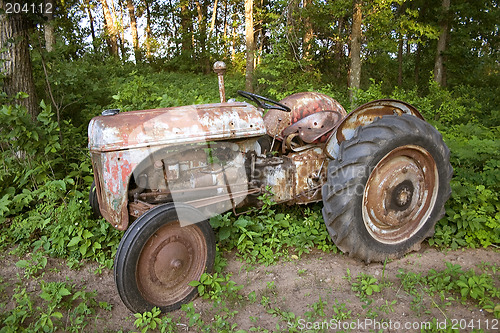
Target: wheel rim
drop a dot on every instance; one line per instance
(171, 258)
(400, 194)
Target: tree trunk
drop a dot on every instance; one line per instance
(308, 34)
(339, 49)
(133, 29)
(418, 57)
(148, 31)
(110, 30)
(202, 35)
(439, 69)
(91, 20)
(234, 34)
(355, 69)
(15, 59)
(48, 28)
(214, 17)
(225, 21)
(121, 31)
(186, 27)
(250, 45)
(400, 60)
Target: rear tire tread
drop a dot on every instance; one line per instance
(339, 203)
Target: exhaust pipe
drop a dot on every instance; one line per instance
(220, 69)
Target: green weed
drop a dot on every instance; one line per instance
(365, 285)
(213, 286)
(148, 320)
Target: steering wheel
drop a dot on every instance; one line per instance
(261, 101)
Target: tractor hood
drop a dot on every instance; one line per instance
(173, 126)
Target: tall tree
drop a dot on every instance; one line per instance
(355, 68)
(186, 28)
(202, 10)
(149, 35)
(48, 27)
(110, 29)
(339, 48)
(439, 68)
(260, 23)
(224, 34)
(400, 59)
(250, 45)
(91, 20)
(120, 28)
(309, 32)
(15, 59)
(133, 30)
(234, 34)
(214, 18)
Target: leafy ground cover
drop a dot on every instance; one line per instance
(312, 293)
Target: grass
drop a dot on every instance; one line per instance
(376, 296)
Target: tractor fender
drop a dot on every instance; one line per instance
(364, 115)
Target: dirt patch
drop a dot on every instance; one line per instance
(298, 286)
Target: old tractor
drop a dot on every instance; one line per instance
(382, 172)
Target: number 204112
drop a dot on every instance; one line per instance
(24, 8)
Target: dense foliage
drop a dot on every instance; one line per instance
(45, 169)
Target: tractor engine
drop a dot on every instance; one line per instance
(210, 176)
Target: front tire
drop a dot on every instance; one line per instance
(94, 202)
(387, 188)
(157, 258)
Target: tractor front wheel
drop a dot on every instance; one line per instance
(160, 254)
(93, 201)
(387, 188)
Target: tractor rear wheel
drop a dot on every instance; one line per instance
(157, 258)
(387, 188)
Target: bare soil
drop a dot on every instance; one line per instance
(298, 283)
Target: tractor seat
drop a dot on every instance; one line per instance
(314, 127)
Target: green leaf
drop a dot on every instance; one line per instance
(224, 233)
(74, 241)
(241, 223)
(46, 296)
(201, 289)
(57, 315)
(83, 249)
(64, 292)
(22, 264)
(87, 234)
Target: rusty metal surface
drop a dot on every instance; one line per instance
(313, 127)
(179, 174)
(278, 173)
(220, 69)
(400, 194)
(302, 105)
(311, 174)
(172, 258)
(137, 208)
(112, 173)
(363, 115)
(173, 126)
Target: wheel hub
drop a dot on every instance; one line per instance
(400, 194)
(170, 259)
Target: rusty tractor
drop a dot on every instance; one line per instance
(382, 172)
